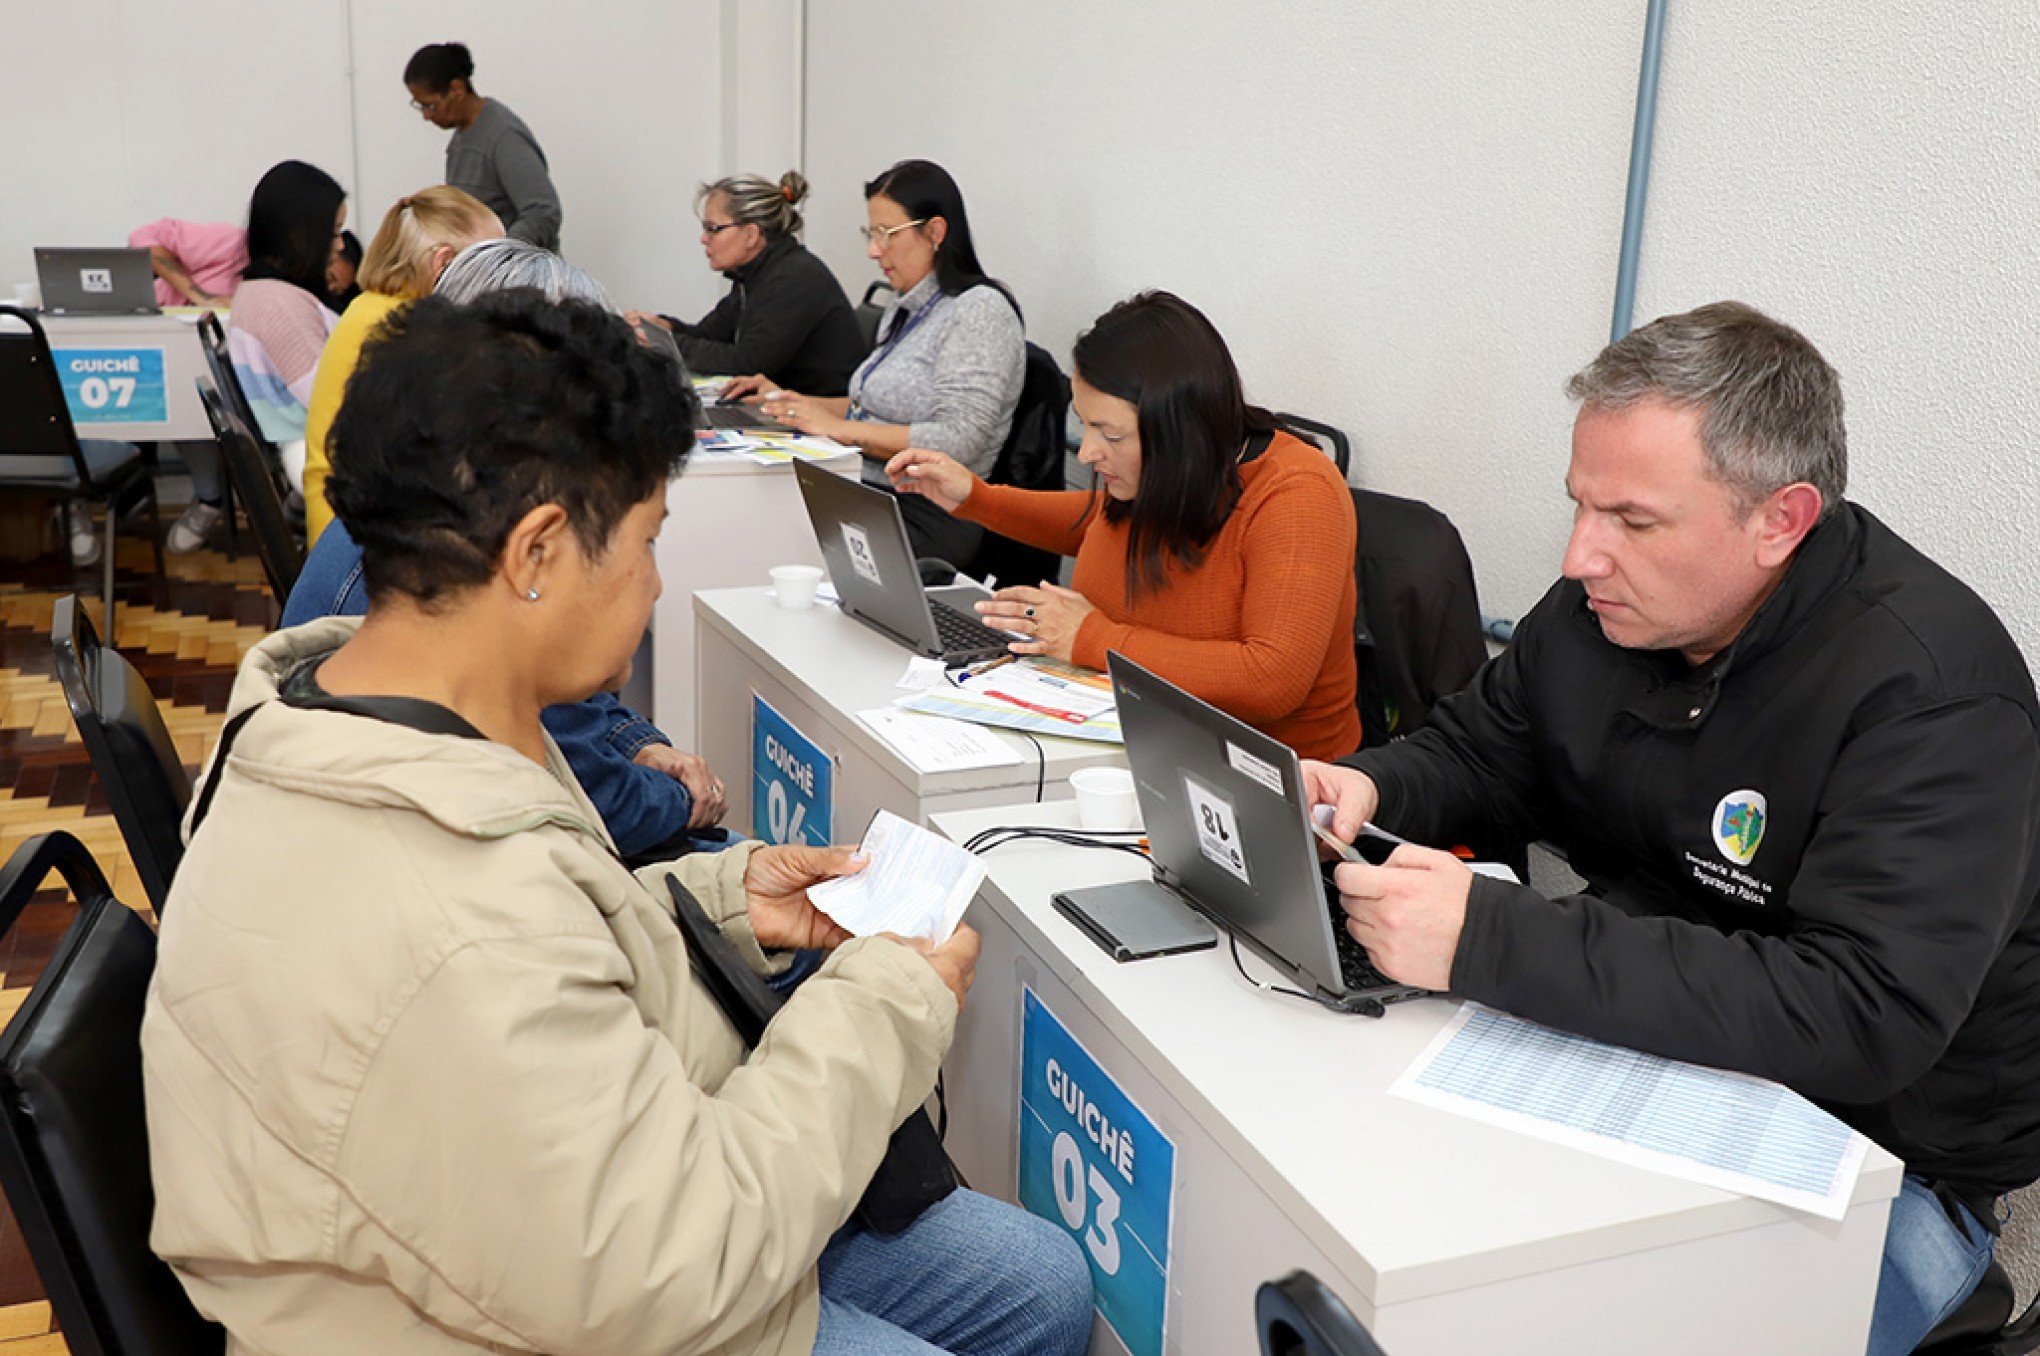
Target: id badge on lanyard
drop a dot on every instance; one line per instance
(892, 341)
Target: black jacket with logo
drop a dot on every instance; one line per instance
(1811, 859)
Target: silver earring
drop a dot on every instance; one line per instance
(531, 595)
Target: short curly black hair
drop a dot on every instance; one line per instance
(459, 420)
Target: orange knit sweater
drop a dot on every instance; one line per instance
(1262, 628)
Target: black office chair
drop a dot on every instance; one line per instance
(74, 1149)
(129, 745)
(871, 310)
(1416, 633)
(219, 363)
(1333, 441)
(1031, 458)
(1299, 1316)
(1983, 1324)
(40, 454)
(253, 473)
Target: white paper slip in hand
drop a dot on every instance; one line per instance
(915, 883)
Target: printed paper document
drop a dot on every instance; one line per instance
(916, 884)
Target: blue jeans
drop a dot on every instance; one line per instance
(1930, 1267)
(971, 1276)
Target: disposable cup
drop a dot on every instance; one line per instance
(1105, 798)
(795, 585)
(28, 296)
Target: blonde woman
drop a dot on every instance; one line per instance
(785, 314)
(417, 238)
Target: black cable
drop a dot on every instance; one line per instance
(1118, 840)
(1240, 966)
(1040, 767)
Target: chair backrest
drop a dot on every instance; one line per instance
(74, 1149)
(1416, 633)
(1031, 458)
(871, 310)
(1298, 1316)
(129, 745)
(37, 439)
(253, 471)
(1334, 441)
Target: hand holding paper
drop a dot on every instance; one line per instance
(914, 883)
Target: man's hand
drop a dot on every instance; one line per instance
(775, 886)
(691, 771)
(955, 960)
(1407, 913)
(1352, 796)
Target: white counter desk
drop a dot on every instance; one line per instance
(818, 669)
(728, 523)
(1446, 1236)
(168, 348)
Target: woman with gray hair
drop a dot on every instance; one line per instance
(499, 265)
(785, 314)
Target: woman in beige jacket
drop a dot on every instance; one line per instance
(427, 1067)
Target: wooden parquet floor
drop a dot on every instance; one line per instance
(187, 644)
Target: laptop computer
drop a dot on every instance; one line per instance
(864, 544)
(1229, 830)
(96, 281)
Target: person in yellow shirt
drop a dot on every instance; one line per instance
(417, 238)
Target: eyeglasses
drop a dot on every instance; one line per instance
(427, 105)
(717, 228)
(882, 235)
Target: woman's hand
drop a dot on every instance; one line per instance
(776, 883)
(751, 388)
(808, 414)
(955, 961)
(935, 476)
(691, 770)
(639, 319)
(1049, 616)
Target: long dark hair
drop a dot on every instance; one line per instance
(290, 225)
(1158, 353)
(924, 189)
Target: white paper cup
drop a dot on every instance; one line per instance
(1105, 798)
(28, 296)
(795, 585)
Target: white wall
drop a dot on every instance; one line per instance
(1405, 218)
(198, 97)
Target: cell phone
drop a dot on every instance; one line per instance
(1369, 848)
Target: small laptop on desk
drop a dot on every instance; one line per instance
(738, 419)
(864, 543)
(96, 281)
(1229, 830)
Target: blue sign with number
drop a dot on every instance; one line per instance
(792, 781)
(1093, 1162)
(113, 385)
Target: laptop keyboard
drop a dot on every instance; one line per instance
(737, 417)
(963, 636)
(1354, 967)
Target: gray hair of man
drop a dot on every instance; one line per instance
(499, 265)
(752, 201)
(1771, 406)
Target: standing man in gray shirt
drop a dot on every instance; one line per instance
(492, 154)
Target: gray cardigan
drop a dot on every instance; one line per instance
(951, 372)
(499, 161)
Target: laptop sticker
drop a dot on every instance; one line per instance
(95, 279)
(862, 560)
(1218, 830)
(1260, 769)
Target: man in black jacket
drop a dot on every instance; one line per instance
(1797, 764)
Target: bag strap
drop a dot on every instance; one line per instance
(746, 999)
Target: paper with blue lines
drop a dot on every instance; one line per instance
(1725, 1130)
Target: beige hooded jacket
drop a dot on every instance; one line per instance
(428, 1072)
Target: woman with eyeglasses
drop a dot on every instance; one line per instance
(492, 154)
(785, 315)
(951, 353)
(1216, 549)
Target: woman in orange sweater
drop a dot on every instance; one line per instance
(1215, 549)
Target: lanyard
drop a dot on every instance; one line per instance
(892, 341)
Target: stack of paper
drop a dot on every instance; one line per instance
(1036, 694)
(936, 744)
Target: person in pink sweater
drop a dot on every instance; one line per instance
(197, 263)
